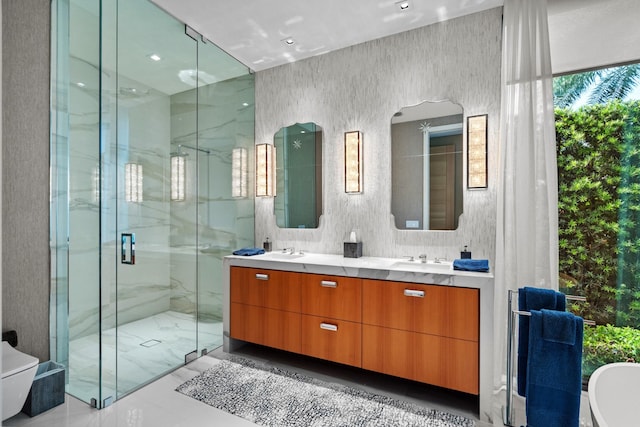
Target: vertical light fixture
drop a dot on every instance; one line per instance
(133, 182)
(477, 151)
(353, 162)
(178, 178)
(265, 170)
(239, 173)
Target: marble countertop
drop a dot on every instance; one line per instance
(394, 269)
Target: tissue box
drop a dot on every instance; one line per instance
(352, 250)
(47, 389)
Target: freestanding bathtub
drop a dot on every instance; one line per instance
(614, 395)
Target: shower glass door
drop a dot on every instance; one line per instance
(151, 196)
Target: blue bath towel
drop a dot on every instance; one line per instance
(554, 380)
(532, 299)
(249, 251)
(480, 265)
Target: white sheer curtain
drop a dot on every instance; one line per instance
(527, 214)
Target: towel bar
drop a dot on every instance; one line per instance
(507, 416)
(569, 297)
(528, 313)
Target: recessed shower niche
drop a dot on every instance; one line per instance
(136, 244)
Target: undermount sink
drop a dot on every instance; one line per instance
(283, 255)
(430, 265)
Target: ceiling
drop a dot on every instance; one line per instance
(254, 31)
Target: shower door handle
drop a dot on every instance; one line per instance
(128, 248)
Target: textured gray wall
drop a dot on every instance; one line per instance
(25, 173)
(360, 88)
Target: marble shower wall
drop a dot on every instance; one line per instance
(360, 88)
(216, 221)
(133, 292)
(177, 243)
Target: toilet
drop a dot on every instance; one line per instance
(18, 371)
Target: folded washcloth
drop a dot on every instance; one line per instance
(532, 299)
(249, 251)
(555, 369)
(480, 265)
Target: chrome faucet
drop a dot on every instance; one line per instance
(437, 260)
(290, 250)
(423, 258)
(411, 259)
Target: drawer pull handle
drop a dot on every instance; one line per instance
(413, 293)
(329, 327)
(262, 276)
(329, 284)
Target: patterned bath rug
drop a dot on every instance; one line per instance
(274, 397)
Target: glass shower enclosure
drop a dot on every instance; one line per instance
(151, 129)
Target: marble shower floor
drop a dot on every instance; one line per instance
(146, 349)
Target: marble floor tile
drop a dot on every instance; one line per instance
(159, 405)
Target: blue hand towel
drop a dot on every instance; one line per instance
(558, 327)
(532, 299)
(480, 265)
(248, 251)
(555, 369)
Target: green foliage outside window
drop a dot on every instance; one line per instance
(598, 148)
(605, 344)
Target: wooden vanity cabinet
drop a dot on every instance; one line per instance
(425, 333)
(265, 307)
(331, 318)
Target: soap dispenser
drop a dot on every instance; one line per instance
(465, 254)
(266, 245)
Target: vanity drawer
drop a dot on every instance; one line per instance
(265, 326)
(440, 361)
(429, 309)
(265, 288)
(331, 296)
(336, 340)
(447, 362)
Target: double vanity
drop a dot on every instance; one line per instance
(421, 321)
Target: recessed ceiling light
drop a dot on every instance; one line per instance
(289, 41)
(245, 104)
(80, 84)
(155, 57)
(403, 5)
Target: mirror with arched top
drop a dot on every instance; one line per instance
(426, 166)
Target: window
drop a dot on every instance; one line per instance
(598, 148)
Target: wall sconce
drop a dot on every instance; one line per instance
(265, 170)
(178, 178)
(133, 182)
(477, 151)
(239, 173)
(353, 162)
